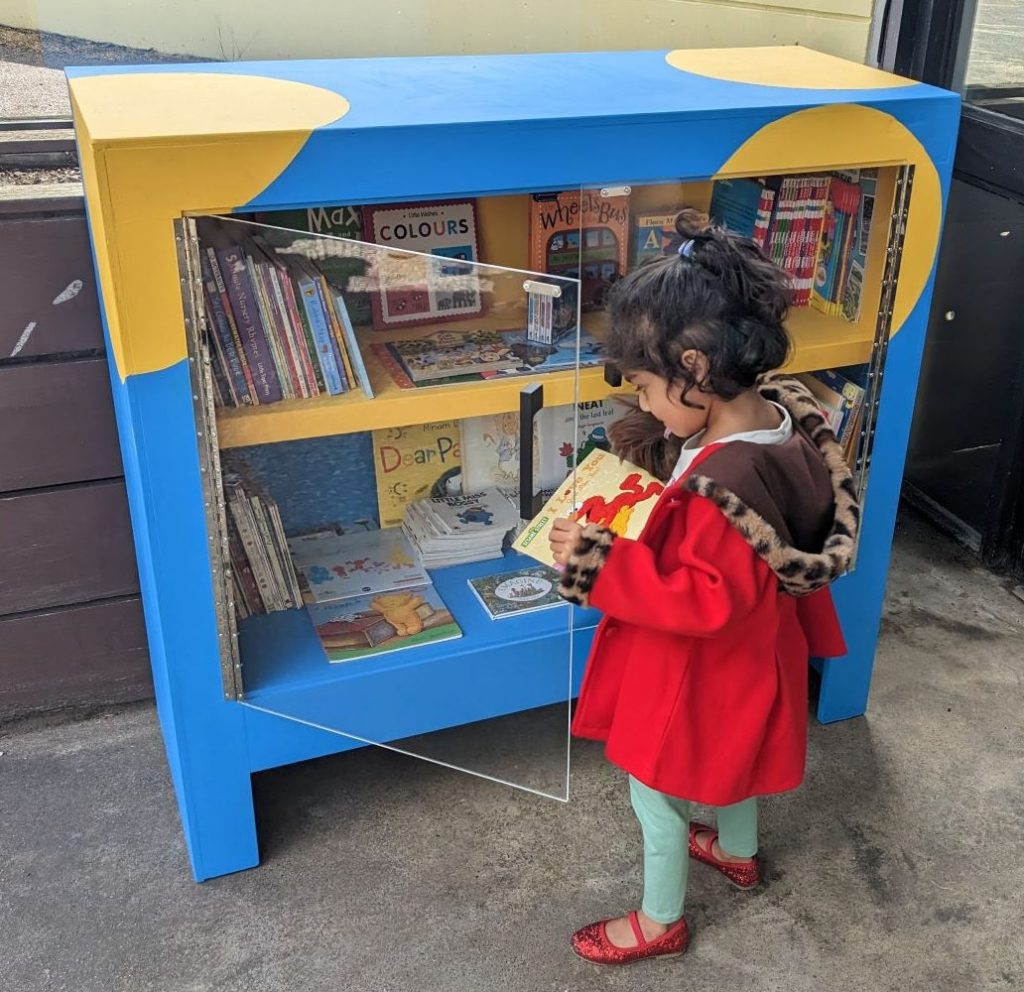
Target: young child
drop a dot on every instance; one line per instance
(697, 680)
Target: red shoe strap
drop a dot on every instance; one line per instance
(634, 922)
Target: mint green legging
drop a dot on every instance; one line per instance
(665, 822)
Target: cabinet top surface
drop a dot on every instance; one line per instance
(153, 102)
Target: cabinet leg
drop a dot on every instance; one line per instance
(213, 786)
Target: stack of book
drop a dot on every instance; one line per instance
(278, 329)
(842, 402)
(783, 215)
(262, 575)
(815, 228)
(368, 593)
(842, 253)
(454, 530)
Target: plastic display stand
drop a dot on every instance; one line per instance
(159, 142)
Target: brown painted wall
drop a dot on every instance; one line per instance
(71, 627)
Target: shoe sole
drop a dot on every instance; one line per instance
(619, 964)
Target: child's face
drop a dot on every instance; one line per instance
(663, 400)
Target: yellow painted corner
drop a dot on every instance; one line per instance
(164, 105)
(138, 182)
(792, 67)
(845, 135)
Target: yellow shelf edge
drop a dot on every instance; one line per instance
(293, 420)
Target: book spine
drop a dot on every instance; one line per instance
(799, 263)
(794, 236)
(780, 223)
(296, 338)
(353, 346)
(307, 329)
(242, 572)
(250, 328)
(278, 346)
(225, 301)
(221, 336)
(321, 335)
(225, 390)
(337, 341)
(222, 394)
(764, 215)
(291, 580)
(812, 234)
(298, 318)
(392, 366)
(266, 540)
(238, 507)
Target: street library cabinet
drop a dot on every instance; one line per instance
(354, 313)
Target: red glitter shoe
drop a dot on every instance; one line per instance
(592, 944)
(743, 876)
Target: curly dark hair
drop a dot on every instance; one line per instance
(722, 297)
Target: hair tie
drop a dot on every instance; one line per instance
(686, 248)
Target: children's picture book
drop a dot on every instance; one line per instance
(856, 264)
(735, 204)
(490, 451)
(413, 463)
(566, 435)
(340, 307)
(562, 436)
(256, 347)
(511, 594)
(382, 623)
(341, 268)
(335, 566)
(580, 234)
(443, 354)
(605, 491)
(653, 234)
(562, 353)
(841, 212)
(447, 289)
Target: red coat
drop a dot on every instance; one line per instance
(697, 679)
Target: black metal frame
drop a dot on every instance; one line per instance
(930, 40)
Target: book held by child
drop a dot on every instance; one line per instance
(604, 490)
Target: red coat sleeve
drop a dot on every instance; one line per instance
(718, 582)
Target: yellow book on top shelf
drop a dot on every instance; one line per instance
(412, 463)
(606, 491)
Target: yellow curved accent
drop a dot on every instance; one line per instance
(156, 144)
(793, 68)
(842, 136)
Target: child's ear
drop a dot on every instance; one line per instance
(696, 363)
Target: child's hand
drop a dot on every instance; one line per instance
(563, 539)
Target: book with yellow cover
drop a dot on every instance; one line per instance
(605, 491)
(414, 463)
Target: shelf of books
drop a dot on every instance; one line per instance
(826, 334)
(320, 381)
(371, 543)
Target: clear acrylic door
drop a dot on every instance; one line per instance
(367, 402)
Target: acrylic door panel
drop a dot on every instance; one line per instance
(385, 603)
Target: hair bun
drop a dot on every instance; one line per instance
(692, 223)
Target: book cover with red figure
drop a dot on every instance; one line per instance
(604, 490)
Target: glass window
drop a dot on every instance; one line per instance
(995, 60)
